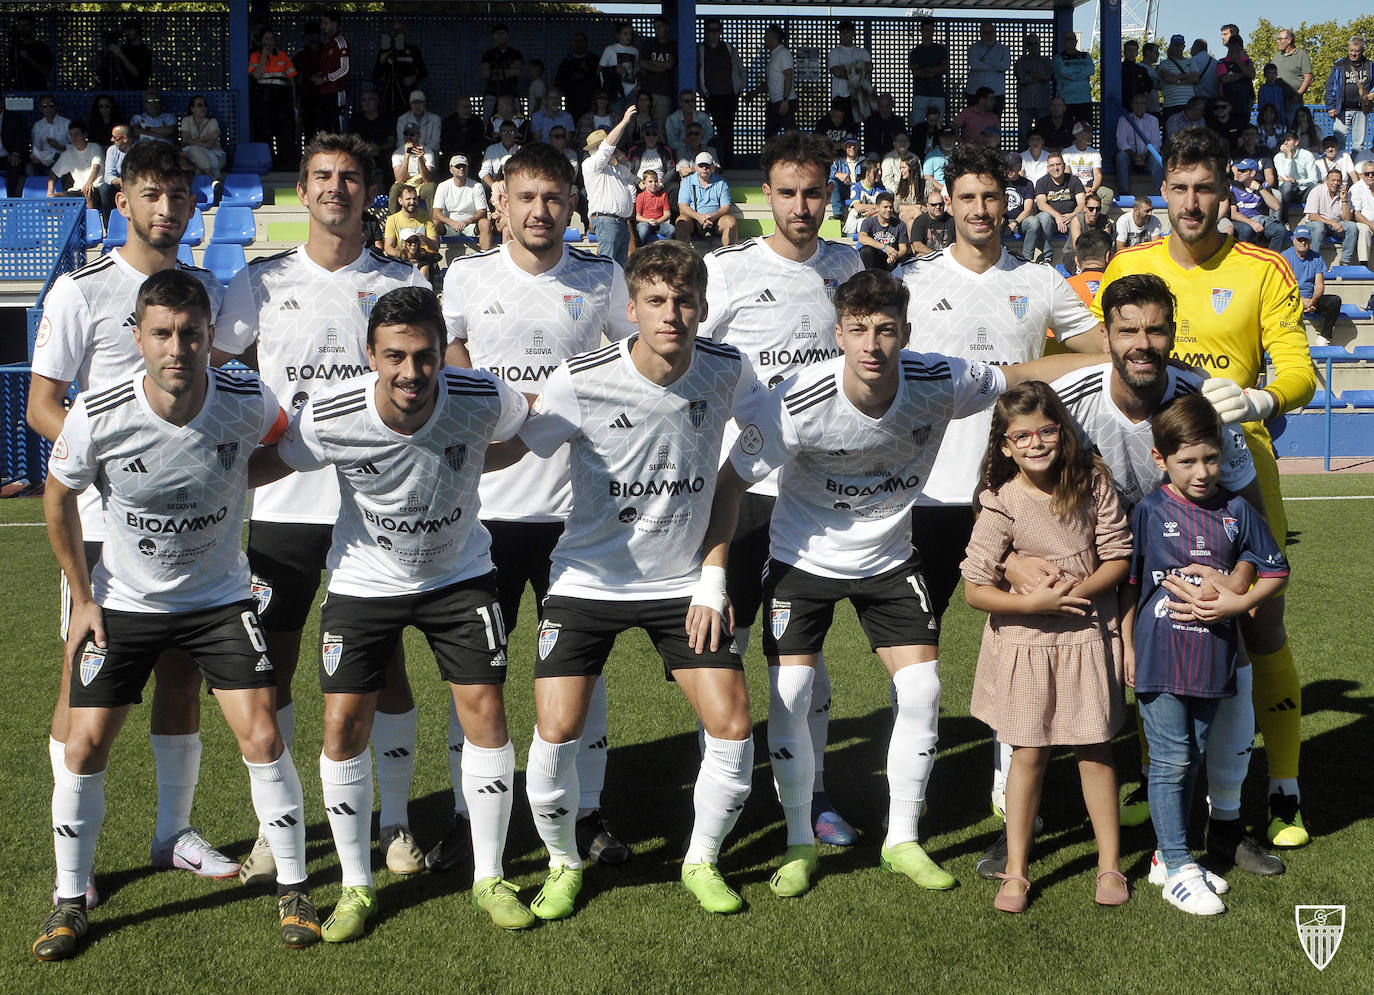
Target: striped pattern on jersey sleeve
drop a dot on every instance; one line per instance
(591, 360)
(344, 403)
(468, 385)
(801, 398)
(108, 400)
(230, 383)
(915, 369)
(719, 349)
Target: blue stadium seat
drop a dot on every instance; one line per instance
(1362, 399)
(1318, 401)
(1364, 353)
(95, 228)
(1126, 201)
(184, 255)
(571, 234)
(1353, 312)
(36, 188)
(4, 189)
(204, 189)
(1062, 270)
(234, 224)
(118, 232)
(195, 229)
(241, 190)
(224, 259)
(1349, 273)
(253, 157)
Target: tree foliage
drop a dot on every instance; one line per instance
(1325, 42)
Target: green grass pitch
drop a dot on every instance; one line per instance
(859, 930)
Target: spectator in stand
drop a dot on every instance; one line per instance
(1248, 147)
(1350, 95)
(1236, 74)
(1138, 226)
(332, 78)
(1294, 69)
(928, 64)
(1020, 197)
(933, 169)
(620, 66)
(1254, 207)
(412, 236)
(500, 69)
(1149, 58)
(81, 161)
(851, 73)
(1328, 206)
(578, 76)
(923, 136)
(1362, 208)
(551, 113)
(653, 210)
(1085, 162)
(400, 70)
(463, 132)
(934, 229)
(1073, 75)
(863, 197)
(611, 190)
(1296, 170)
(1057, 127)
(121, 141)
(431, 128)
(460, 205)
(881, 127)
(836, 124)
(507, 113)
(687, 155)
(884, 242)
(272, 79)
(377, 128)
(1309, 269)
(658, 69)
(1136, 134)
(643, 115)
(650, 153)
(1177, 76)
(1134, 77)
(14, 146)
(978, 123)
(48, 138)
(1092, 252)
(891, 163)
(1224, 121)
(153, 123)
(1059, 200)
(30, 57)
(307, 62)
(1208, 83)
(844, 173)
(1094, 219)
(412, 165)
(1035, 157)
(780, 84)
(599, 118)
(907, 193)
(988, 62)
(559, 138)
(200, 138)
(1271, 128)
(104, 115)
(1034, 85)
(497, 153)
(722, 81)
(537, 87)
(704, 205)
(1193, 115)
(686, 115)
(1271, 91)
(124, 61)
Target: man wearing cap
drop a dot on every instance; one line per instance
(933, 169)
(978, 123)
(704, 204)
(427, 121)
(460, 204)
(1328, 206)
(413, 165)
(497, 153)
(1136, 134)
(1251, 203)
(1085, 162)
(1309, 268)
(411, 235)
(610, 190)
(844, 173)
(1177, 73)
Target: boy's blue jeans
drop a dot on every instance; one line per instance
(1176, 727)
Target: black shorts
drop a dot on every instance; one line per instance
(748, 556)
(522, 553)
(576, 636)
(286, 559)
(893, 608)
(64, 608)
(940, 534)
(462, 623)
(226, 642)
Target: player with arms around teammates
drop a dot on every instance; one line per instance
(169, 451)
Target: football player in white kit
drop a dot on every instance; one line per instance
(307, 310)
(519, 311)
(770, 298)
(168, 448)
(406, 444)
(855, 437)
(977, 301)
(86, 336)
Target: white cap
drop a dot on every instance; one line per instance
(705, 159)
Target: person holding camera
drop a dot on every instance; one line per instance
(412, 165)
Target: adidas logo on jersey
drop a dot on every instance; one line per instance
(264, 664)
(765, 298)
(290, 304)
(367, 469)
(942, 305)
(494, 309)
(622, 422)
(136, 466)
(131, 321)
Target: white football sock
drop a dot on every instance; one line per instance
(393, 745)
(178, 769)
(488, 776)
(911, 751)
(57, 757)
(551, 783)
(280, 807)
(789, 747)
(1001, 764)
(818, 719)
(1228, 749)
(455, 758)
(78, 811)
(721, 790)
(591, 757)
(348, 802)
(286, 724)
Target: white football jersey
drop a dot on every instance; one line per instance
(779, 313)
(86, 335)
(1125, 445)
(310, 325)
(408, 521)
(174, 495)
(848, 480)
(520, 327)
(998, 317)
(644, 462)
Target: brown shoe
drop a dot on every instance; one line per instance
(1109, 895)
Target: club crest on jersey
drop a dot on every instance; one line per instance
(920, 435)
(696, 410)
(1220, 299)
(262, 593)
(1093, 286)
(456, 456)
(1020, 305)
(331, 652)
(1231, 526)
(366, 301)
(92, 659)
(779, 614)
(830, 287)
(574, 304)
(548, 638)
(227, 453)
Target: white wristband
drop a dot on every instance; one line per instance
(710, 589)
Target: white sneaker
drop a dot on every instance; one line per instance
(1159, 874)
(92, 896)
(260, 867)
(402, 855)
(188, 850)
(1188, 890)
(999, 807)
